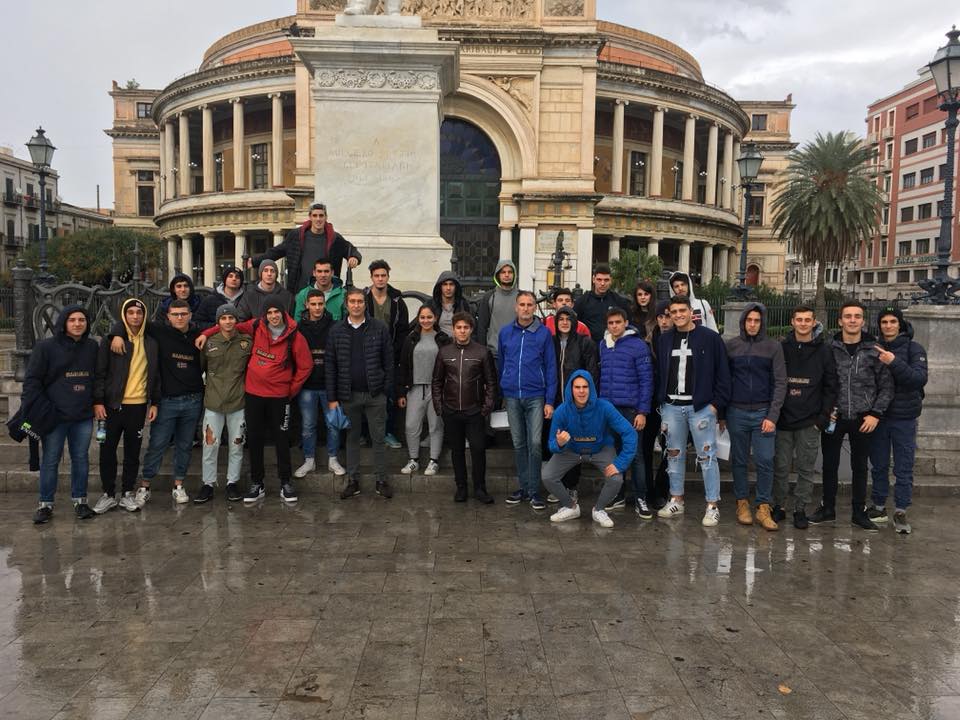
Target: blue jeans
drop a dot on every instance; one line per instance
(637, 476)
(678, 420)
(526, 427)
(744, 429)
(901, 437)
(77, 434)
(312, 404)
(176, 420)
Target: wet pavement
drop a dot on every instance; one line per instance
(420, 608)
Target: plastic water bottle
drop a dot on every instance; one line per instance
(832, 425)
(101, 431)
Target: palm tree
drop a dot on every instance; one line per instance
(828, 203)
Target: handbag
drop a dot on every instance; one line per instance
(336, 418)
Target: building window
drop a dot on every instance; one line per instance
(144, 109)
(903, 248)
(11, 231)
(145, 200)
(930, 104)
(919, 275)
(913, 110)
(939, 208)
(926, 176)
(30, 190)
(755, 213)
(910, 147)
(889, 151)
(882, 277)
(909, 180)
(678, 180)
(638, 173)
(923, 246)
(218, 171)
(942, 174)
(144, 175)
(886, 214)
(758, 122)
(258, 154)
(929, 140)
(906, 214)
(868, 278)
(924, 211)
(903, 276)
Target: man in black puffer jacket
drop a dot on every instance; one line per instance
(359, 369)
(897, 430)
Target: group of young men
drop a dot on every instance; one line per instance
(578, 386)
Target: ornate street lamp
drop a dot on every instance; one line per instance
(749, 166)
(945, 68)
(41, 154)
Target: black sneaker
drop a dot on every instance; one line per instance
(516, 497)
(482, 496)
(900, 523)
(84, 511)
(778, 514)
(643, 510)
(352, 488)
(461, 494)
(233, 492)
(823, 514)
(205, 494)
(861, 520)
(384, 490)
(288, 493)
(43, 515)
(620, 501)
(878, 514)
(256, 492)
(800, 520)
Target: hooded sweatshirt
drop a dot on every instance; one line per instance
(193, 299)
(459, 303)
(132, 378)
(574, 352)
(64, 369)
(496, 308)
(333, 299)
(909, 369)
(592, 427)
(811, 382)
(758, 373)
(702, 312)
(253, 302)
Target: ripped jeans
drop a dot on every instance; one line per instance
(213, 424)
(702, 424)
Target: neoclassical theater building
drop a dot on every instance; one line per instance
(560, 122)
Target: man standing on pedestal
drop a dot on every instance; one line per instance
(592, 307)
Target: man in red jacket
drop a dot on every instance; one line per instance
(280, 362)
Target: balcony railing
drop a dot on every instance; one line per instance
(886, 133)
(873, 138)
(887, 165)
(884, 230)
(31, 201)
(12, 198)
(13, 240)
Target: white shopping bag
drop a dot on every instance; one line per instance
(723, 445)
(499, 421)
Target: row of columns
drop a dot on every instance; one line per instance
(683, 264)
(731, 149)
(175, 169)
(180, 252)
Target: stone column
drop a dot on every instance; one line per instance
(735, 182)
(278, 236)
(184, 164)
(616, 172)
(172, 256)
(170, 179)
(653, 247)
(711, 198)
(209, 171)
(584, 257)
(727, 170)
(186, 258)
(506, 243)
(689, 145)
(683, 265)
(239, 249)
(163, 162)
(239, 159)
(706, 264)
(209, 259)
(656, 154)
(527, 260)
(723, 271)
(614, 247)
(276, 151)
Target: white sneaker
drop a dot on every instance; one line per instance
(129, 502)
(671, 509)
(432, 468)
(143, 494)
(180, 495)
(309, 465)
(334, 466)
(566, 513)
(411, 467)
(601, 518)
(105, 503)
(711, 517)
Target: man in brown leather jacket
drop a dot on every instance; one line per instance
(464, 388)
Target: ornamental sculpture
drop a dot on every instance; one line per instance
(369, 7)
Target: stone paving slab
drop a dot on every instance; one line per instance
(421, 608)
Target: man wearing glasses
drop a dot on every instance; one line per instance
(306, 244)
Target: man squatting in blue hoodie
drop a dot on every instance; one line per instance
(582, 431)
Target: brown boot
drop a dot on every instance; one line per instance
(744, 516)
(765, 519)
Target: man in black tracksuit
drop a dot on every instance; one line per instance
(811, 397)
(592, 307)
(865, 389)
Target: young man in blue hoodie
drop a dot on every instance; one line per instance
(582, 431)
(63, 368)
(527, 365)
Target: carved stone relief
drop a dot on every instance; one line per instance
(520, 89)
(564, 8)
(396, 79)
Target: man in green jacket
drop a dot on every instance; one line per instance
(328, 284)
(224, 358)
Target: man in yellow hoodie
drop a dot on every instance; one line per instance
(126, 393)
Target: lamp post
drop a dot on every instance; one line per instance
(749, 166)
(945, 68)
(41, 154)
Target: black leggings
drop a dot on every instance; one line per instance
(268, 420)
(126, 422)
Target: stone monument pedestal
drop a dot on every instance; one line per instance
(378, 85)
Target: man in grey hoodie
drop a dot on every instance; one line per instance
(497, 307)
(254, 298)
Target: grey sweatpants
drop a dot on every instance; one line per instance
(803, 444)
(558, 465)
(420, 406)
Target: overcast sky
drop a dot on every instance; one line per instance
(835, 56)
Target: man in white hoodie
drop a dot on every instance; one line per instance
(682, 285)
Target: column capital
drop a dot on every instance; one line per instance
(621, 101)
(205, 106)
(209, 234)
(661, 109)
(685, 242)
(236, 101)
(275, 95)
(716, 124)
(692, 116)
